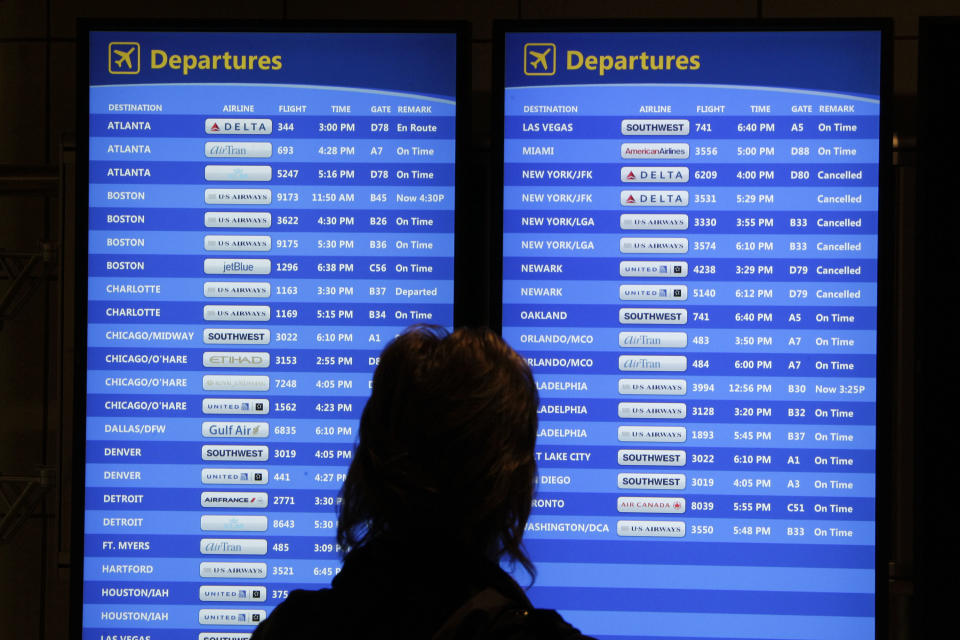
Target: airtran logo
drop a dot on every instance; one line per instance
(124, 58)
(540, 59)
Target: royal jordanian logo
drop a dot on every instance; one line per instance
(539, 59)
(123, 58)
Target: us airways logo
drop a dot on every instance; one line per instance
(539, 59)
(123, 58)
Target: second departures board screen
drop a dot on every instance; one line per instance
(690, 266)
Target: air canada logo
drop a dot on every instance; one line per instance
(539, 59)
(123, 58)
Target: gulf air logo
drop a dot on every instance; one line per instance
(539, 59)
(123, 58)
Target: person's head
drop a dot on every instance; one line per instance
(446, 445)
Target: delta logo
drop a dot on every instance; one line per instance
(238, 126)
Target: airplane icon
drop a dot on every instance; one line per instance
(539, 59)
(121, 58)
(124, 57)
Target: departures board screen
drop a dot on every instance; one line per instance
(266, 211)
(690, 266)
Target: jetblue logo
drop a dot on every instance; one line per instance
(539, 59)
(123, 58)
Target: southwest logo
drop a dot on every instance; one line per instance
(539, 59)
(123, 58)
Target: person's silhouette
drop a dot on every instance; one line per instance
(439, 490)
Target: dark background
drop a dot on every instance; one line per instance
(37, 161)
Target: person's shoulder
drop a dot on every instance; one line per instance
(490, 615)
(514, 623)
(301, 611)
(511, 615)
(547, 623)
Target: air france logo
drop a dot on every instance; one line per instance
(123, 58)
(539, 59)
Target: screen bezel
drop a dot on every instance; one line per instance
(887, 336)
(466, 280)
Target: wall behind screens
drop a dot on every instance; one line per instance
(266, 211)
(691, 259)
(936, 259)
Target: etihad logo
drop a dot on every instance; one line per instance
(539, 59)
(123, 58)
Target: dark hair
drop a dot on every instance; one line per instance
(445, 445)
